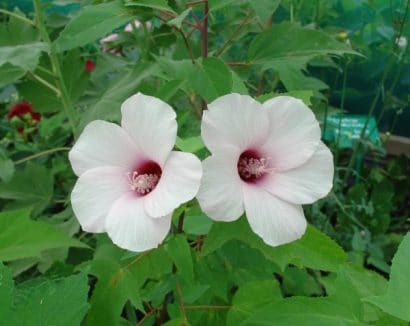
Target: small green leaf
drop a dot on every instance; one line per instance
(22, 237)
(177, 21)
(91, 23)
(396, 300)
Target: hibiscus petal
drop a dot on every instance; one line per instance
(294, 132)
(102, 144)
(152, 125)
(234, 121)
(306, 183)
(129, 227)
(179, 183)
(220, 194)
(274, 220)
(94, 193)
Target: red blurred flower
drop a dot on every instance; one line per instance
(21, 108)
(89, 65)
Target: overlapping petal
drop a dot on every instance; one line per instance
(102, 144)
(94, 193)
(277, 222)
(220, 194)
(294, 132)
(307, 183)
(179, 183)
(151, 124)
(129, 227)
(234, 121)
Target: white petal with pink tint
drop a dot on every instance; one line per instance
(151, 124)
(129, 226)
(234, 121)
(274, 220)
(102, 144)
(94, 193)
(307, 183)
(179, 183)
(294, 132)
(220, 194)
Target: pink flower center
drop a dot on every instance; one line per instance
(252, 167)
(144, 178)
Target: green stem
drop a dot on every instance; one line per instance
(342, 106)
(46, 83)
(22, 18)
(49, 151)
(55, 63)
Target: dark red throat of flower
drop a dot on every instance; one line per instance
(144, 178)
(252, 167)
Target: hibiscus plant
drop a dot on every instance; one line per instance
(174, 162)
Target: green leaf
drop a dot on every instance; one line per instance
(299, 282)
(190, 144)
(179, 251)
(75, 79)
(10, 73)
(314, 250)
(264, 9)
(91, 23)
(43, 302)
(115, 286)
(154, 4)
(303, 311)
(6, 168)
(251, 296)
(196, 222)
(25, 56)
(31, 187)
(289, 42)
(177, 21)
(211, 79)
(108, 105)
(295, 80)
(22, 237)
(396, 300)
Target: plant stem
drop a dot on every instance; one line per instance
(45, 83)
(342, 107)
(49, 151)
(55, 63)
(233, 35)
(22, 18)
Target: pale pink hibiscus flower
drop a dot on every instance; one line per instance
(130, 180)
(267, 159)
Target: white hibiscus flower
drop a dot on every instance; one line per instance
(130, 180)
(267, 159)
